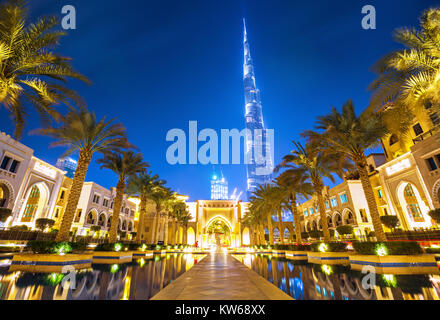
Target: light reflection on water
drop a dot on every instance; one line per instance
(139, 280)
(304, 281)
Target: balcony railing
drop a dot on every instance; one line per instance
(426, 135)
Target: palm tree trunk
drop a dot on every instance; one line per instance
(269, 225)
(296, 219)
(371, 201)
(142, 212)
(281, 225)
(74, 194)
(322, 213)
(120, 187)
(165, 232)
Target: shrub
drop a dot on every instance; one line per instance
(316, 234)
(393, 247)
(331, 246)
(19, 228)
(305, 235)
(78, 246)
(281, 247)
(345, 230)
(43, 223)
(38, 246)
(432, 250)
(390, 222)
(435, 215)
(108, 246)
(95, 228)
(300, 247)
(5, 213)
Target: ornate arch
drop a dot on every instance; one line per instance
(435, 190)
(8, 185)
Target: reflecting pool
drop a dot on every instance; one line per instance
(304, 281)
(139, 280)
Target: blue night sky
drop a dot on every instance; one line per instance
(156, 65)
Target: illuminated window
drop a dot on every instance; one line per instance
(311, 211)
(379, 193)
(343, 198)
(327, 205)
(334, 202)
(412, 205)
(393, 139)
(306, 212)
(31, 205)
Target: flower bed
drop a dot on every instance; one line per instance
(112, 253)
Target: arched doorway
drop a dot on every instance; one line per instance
(91, 217)
(276, 235)
(218, 233)
(4, 196)
(246, 237)
(286, 235)
(190, 236)
(102, 220)
(337, 220)
(36, 201)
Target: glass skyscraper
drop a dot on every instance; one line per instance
(67, 164)
(259, 170)
(219, 188)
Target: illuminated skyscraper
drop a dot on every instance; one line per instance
(219, 188)
(259, 170)
(67, 164)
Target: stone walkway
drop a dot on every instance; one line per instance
(221, 277)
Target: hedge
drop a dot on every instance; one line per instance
(46, 247)
(332, 246)
(394, 247)
(108, 247)
(435, 215)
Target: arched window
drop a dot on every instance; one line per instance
(31, 205)
(393, 139)
(412, 205)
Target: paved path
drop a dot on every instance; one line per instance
(221, 277)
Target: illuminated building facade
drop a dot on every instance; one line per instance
(258, 148)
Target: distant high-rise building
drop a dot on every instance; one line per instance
(259, 170)
(219, 188)
(67, 164)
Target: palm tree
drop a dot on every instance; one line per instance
(30, 72)
(411, 76)
(124, 164)
(143, 185)
(161, 196)
(315, 165)
(254, 219)
(295, 184)
(351, 136)
(80, 131)
(178, 210)
(265, 202)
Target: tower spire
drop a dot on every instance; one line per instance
(259, 167)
